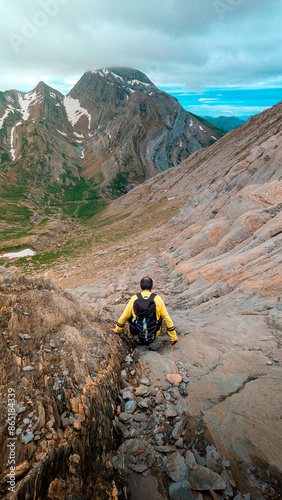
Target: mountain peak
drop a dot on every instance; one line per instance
(125, 77)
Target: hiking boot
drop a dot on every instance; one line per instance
(155, 345)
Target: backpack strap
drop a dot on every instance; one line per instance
(152, 296)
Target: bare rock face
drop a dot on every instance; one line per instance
(275, 318)
(161, 133)
(220, 273)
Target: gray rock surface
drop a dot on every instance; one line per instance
(202, 479)
(180, 491)
(176, 467)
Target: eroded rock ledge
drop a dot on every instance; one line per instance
(63, 371)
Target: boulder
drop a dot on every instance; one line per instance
(202, 479)
(176, 467)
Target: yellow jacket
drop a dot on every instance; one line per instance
(161, 312)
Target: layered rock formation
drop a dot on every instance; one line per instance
(59, 380)
(220, 269)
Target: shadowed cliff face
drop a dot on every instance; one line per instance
(137, 129)
(58, 382)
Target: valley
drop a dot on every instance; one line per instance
(208, 231)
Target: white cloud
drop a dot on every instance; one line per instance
(173, 41)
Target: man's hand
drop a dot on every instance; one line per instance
(113, 330)
(173, 342)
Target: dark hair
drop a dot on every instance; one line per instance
(146, 283)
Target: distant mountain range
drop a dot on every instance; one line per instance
(115, 128)
(226, 123)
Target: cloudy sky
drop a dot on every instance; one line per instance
(216, 56)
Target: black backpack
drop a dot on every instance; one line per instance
(146, 318)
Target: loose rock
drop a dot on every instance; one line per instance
(201, 479)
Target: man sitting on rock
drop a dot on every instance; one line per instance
(145, 312)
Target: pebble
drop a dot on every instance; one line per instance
(178, 428)
(128, 359)
(142, 390)
(225, 463)
(139, 468)
(269, 363)
(28, 438)
(26, 421)
(145, 381)
(130, 406)
(146, 473)
(22, 409)
(174, 378)
(127, 395)
(124, 375)
(159, 436)
(77, 425)
(139, 417)
(124, 417)
(170, 412)
(143, 404)
(29, 368)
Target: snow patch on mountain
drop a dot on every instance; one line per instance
(75, 111)
(137, 82)
(26, 100)
(7, 111)
(12, 150)
(9, 98)
(62, 133)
